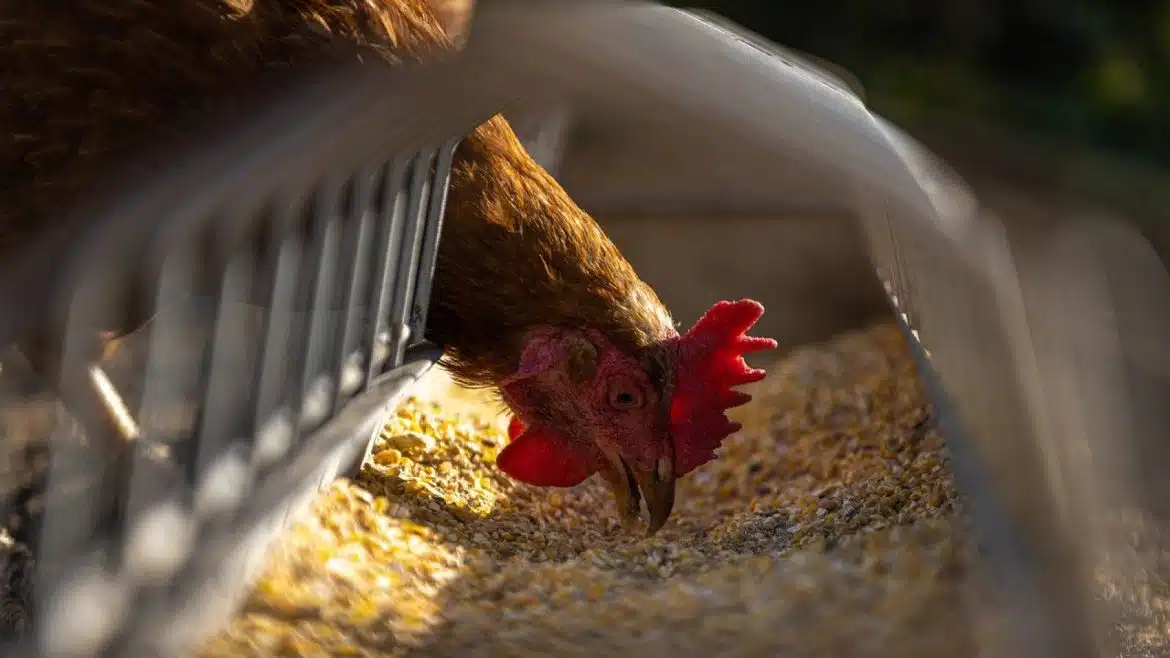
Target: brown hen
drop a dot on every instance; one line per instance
(530, 296)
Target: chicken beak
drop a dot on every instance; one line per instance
(630, 486)
(624, 487)
(657, 487)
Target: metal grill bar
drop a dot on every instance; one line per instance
(415, 227)
(221, 380)
(392, 225)
(429, 250)
(358, 241)
(315, 385)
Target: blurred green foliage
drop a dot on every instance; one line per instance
(1089, 71)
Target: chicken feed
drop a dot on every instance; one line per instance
(826, 528)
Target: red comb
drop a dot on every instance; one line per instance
(710, 364)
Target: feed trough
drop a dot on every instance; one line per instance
(770, 133)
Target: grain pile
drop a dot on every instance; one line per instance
(825, 529)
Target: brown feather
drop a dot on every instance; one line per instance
(517, 253)
(86, 80)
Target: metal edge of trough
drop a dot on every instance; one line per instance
(1035, 561)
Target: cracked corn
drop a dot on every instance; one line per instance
(825, 529)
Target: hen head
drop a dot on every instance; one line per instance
(584, 406)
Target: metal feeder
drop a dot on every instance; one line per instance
(277, 207)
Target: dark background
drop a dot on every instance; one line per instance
(1091, 73)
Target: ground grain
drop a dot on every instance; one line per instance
(827, 527)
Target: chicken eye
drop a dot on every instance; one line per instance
(624, 395)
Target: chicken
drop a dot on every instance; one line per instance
(530, 297)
